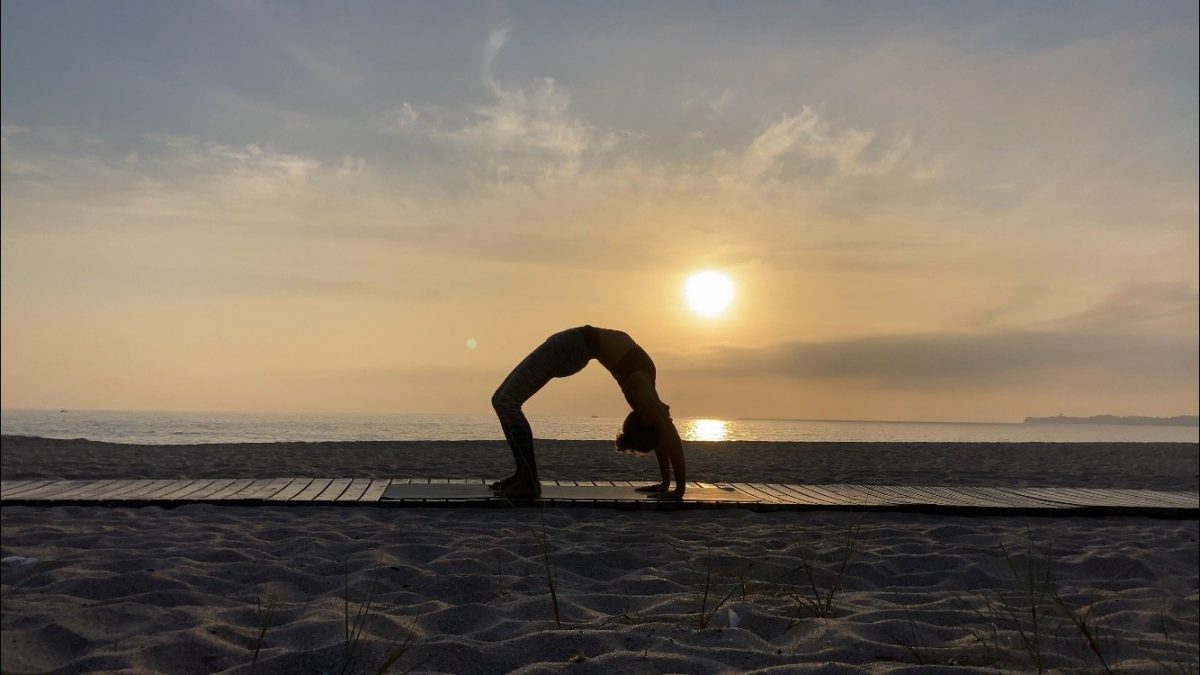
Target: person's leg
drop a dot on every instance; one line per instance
(561, 355)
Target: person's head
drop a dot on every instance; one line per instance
(636, 435)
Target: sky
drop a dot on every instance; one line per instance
(968, 211)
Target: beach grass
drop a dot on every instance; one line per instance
(815, 596)
(266, 616)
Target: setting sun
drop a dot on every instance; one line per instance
(708, 293)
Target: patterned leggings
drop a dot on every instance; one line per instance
(561, 355)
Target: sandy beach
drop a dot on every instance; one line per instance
(455, 590)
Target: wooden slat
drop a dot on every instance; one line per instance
(1087, 498)
(85, 488)
(1046, 494)
(170, 487)
(816, 492)
(32, 485)
(787, 496)
(871, 495)
(934, 496)
(211, 489)
(1117, 498)
(807, 494)
(957, 495)
(375, 490)
(756, 492)
(183, 491)
(1018, 494)
(316, 487)
(7, 486)
(881, 497)
(264, 489)
(843, 495)
(294, 488)
(1156, 499)
(1179, 500)
(765, 488)
(243, 493)
(49, 490)
(1001, 498)
(148, 487)
(800, 494)
(336, 487)
(232, 489)
(114, 488)
(259, 489)
(356, 489)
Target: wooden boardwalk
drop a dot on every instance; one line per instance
(619, 494)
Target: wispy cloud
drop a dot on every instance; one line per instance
(404, 119)
(1168, 308)
(527, 133)
(831, 151)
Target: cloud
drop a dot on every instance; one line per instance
(836, 152)
(955, 360)
(491, 49)
(1164, 307)
(527, 133)
(1119, 341)
(404, 119)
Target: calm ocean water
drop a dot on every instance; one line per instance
(225, 427)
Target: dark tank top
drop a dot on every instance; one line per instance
(634, 360)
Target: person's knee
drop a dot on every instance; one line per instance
(503, 403)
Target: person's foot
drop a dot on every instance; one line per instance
(521, 489)
(505, 482)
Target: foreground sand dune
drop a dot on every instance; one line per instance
(463, 591)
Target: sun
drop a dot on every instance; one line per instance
(708, 293)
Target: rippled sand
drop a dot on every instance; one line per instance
(459, 590)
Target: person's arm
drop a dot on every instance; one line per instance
(670, 444)
(669, 451)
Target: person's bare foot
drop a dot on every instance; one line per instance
(521, 489)
(505, 482)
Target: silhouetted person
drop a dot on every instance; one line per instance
(648, 427)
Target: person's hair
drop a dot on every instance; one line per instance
(636, 435)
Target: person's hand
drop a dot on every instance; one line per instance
(657, 487)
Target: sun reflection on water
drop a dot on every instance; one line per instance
(705, 430)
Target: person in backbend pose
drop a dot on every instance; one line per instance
(648, 427)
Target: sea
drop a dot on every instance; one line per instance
(158, 428)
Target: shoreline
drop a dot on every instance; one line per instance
(1156, 466)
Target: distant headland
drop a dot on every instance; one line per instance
(1176, 421)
